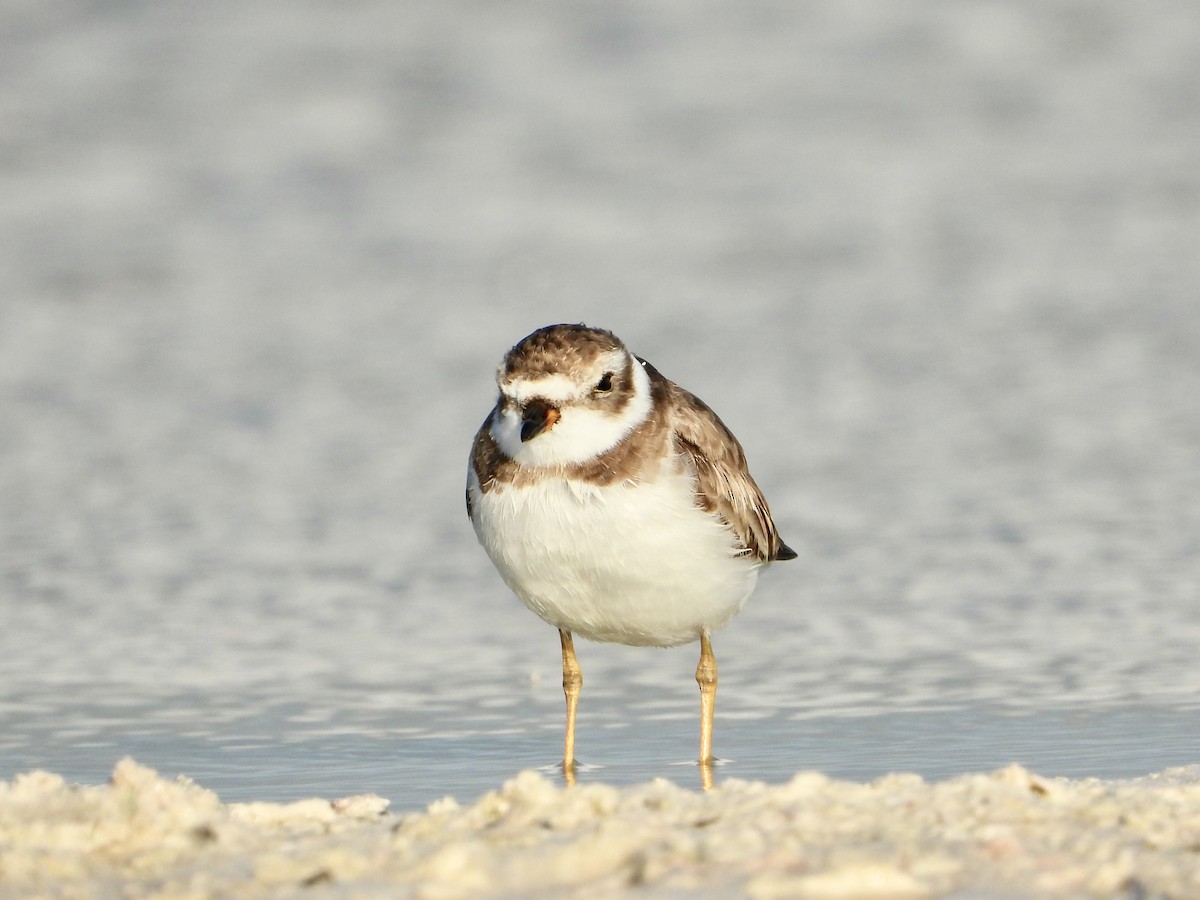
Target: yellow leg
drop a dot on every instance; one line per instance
(572, 681)
(706, 677)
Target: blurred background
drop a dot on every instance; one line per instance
(936, 263)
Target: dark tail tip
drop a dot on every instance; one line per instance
(784, 552)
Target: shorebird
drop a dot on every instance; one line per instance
(616, 505)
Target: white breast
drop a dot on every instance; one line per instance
(632, 564)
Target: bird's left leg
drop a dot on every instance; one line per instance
(706, 677)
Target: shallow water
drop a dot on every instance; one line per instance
(285, 750)
(938, 271)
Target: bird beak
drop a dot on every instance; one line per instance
(536, 417)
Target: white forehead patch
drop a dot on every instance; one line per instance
(554, 388)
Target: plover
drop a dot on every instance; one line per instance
(616, 505)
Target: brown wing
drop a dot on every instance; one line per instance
(723, 482)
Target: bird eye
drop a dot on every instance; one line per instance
(604, 385)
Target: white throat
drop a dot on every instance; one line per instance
(581, 434)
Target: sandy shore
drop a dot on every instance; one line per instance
(1006, 833)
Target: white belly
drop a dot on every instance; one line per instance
(632, 564)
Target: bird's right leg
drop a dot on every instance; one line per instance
(572, 681)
